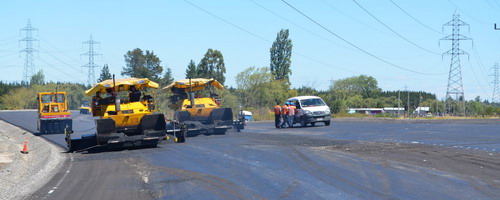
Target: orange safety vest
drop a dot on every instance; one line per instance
(291, 110)
(285, 109)
(277, 109)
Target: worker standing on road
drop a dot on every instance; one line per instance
(277, 115)
(284, 112)
(291, 114)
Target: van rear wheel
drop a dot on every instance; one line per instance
(313, 123)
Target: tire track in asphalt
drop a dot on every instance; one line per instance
(221, 187)
(332, 178)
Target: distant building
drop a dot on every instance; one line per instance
(422, 111)
(368, 111)
(394, 111)
(375, 111)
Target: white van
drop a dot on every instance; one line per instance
(310, 109)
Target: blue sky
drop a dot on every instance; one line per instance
(243, 30)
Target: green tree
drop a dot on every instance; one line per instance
(366, 86)
(256, 88)
(281, 53)
(212, 66)
(105, 74)
(191, 70)
(167, 78)
(142, 65)
(38, 78)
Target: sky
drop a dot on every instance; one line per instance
(395, 41)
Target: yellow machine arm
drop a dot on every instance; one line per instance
(121, 85)
(196, 84)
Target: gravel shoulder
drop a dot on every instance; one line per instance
(23, 174)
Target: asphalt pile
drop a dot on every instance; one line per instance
(23, 174)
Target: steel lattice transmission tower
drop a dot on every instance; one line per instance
(455, 89)
(29, 64)
(496, 82)
(91, 65)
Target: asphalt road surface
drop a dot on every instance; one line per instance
(346, 160)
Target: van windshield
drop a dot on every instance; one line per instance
(312, 102)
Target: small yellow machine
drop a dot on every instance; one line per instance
(197, 105)
(127, 116)
(85, 108)
(53, 113)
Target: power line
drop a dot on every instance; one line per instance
(64, 53)
(59, 70)
(475, 77)
(263, 39)
(418, 21)
(466, 13)
(295, 24)
(360, 49)
(392, 30)
(479, 61)
(234, 25)
(359, 21)
(496, 83)
(71, 66)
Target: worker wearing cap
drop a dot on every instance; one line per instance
(284, 112)
(291, 114)
(277, 115)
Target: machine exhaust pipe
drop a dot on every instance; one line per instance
(115, 94)
(191, 96)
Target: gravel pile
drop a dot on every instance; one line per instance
(23, 174)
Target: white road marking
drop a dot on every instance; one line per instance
(62, 178)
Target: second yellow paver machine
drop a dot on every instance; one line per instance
(197, 106)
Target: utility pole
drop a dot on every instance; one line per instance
(437, 106)
(29, 64)
(420, 102)
(495, 82)
(455, 89)
(399, 100)
(91, 65)
(408, 102)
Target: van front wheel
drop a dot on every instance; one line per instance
(303, 123)
(327, 123)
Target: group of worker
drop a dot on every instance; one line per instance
(285, 115)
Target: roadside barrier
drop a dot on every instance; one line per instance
(25, 148)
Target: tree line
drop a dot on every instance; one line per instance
(257, 89)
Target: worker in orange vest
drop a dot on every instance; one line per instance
(277, 115)
(284, 112)
(291, 114)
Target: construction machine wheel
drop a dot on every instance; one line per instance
(181, 136)
(303, 123)
(327, 123)
(221, 116)
(182, 116)
(220, 131)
